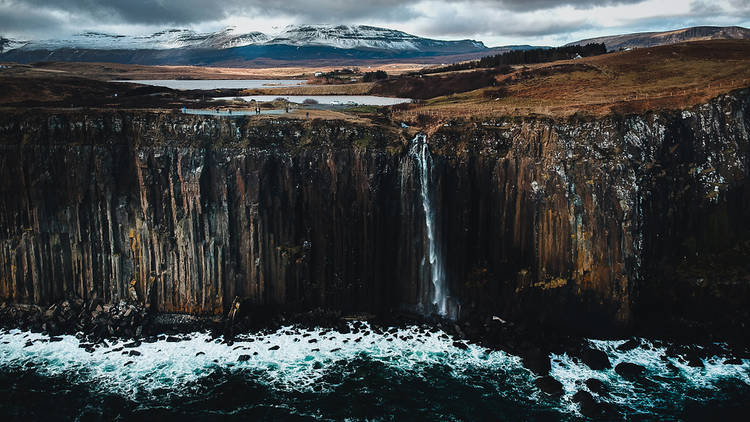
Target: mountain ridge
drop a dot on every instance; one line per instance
(337, 36)
(653, 39)
(294, 43)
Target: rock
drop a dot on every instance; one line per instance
(200, 354)
(582, 395)
(317, 365)
(596, 386)
(131, 344)
(733, 361)
(243, 358)
(590, 407)
(55, 339)
(629, 370)
(595, 359)
(312, 340)
(273, 348)
(549, 385)
(173, 339)
(694, 361)
(629, 345)
(460, 345)
(130, 362)
(134, 353)
(537, 361)
(335, 350)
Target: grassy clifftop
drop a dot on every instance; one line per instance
(667, 77)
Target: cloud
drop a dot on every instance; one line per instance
(185, 12)
(496, 21)
(534, 5)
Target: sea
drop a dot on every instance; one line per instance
(414, 373)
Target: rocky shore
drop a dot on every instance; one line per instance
(96, 324)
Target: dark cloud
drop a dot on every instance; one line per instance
(704, 7)
(450, 18)
(22, 19)
(533, 5)
(183, 12)
(151, 12)
(456, 26)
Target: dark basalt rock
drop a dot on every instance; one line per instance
(733, 361)
(629, 345)
(549, 385)
(629, 370)
(595, 359)
(536, 361)
(597, 386)
(273, 348)
(592, 408)
(460, 345)
(243, 358)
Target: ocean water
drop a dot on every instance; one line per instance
(299, 374)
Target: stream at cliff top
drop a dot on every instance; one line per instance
(412, 373)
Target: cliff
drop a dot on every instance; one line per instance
(581, 223)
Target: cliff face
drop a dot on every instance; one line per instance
(566, 223)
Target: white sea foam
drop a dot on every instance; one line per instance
(318, 360)
(297, 365)
(666, 380)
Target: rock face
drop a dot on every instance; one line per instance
(585, 224)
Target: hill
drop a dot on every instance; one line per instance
(296, 43)
(665, 77)
(653, 39)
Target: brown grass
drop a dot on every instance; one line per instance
(667, 77)
(111, 71)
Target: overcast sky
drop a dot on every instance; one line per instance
(496, 22)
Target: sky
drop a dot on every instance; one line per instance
(495, 22)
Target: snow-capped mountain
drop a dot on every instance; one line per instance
(7, 44)
(363, 37)
(162, 40)
(338, 36)
(183, 46)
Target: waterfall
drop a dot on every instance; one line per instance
(421, 153)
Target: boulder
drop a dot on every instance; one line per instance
(629, 370)
(460, 345)
(549, 385)
(596, 386)
(537, 361)
(629, 345)
(595, 359)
